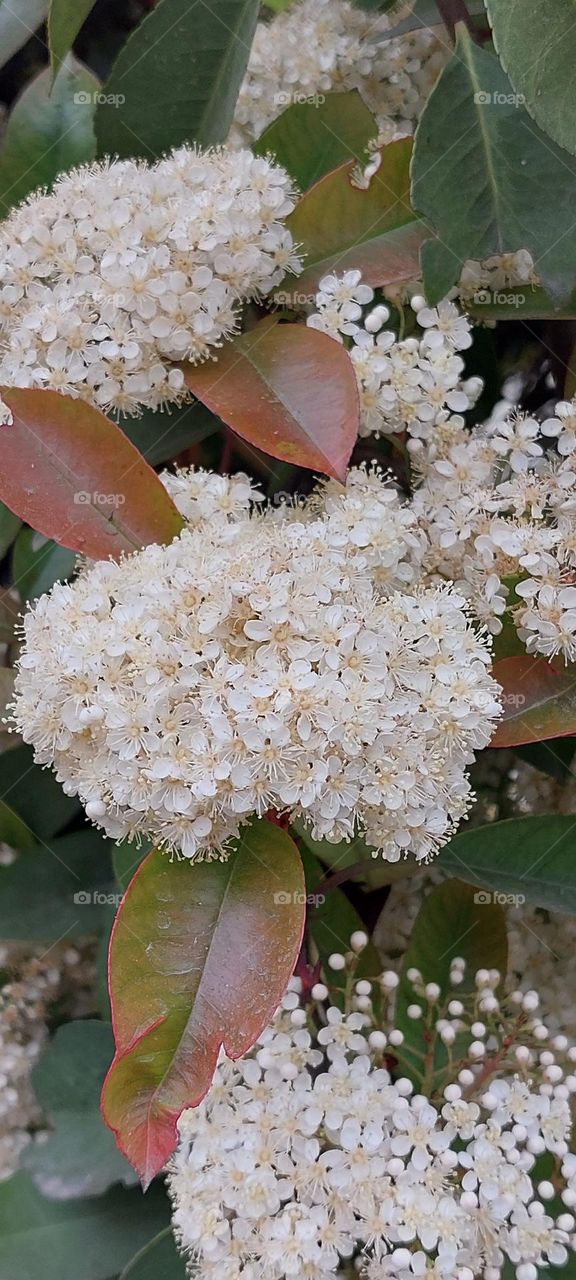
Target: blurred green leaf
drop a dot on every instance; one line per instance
(47, 132)
(38, 562)
(80, 1240)
(158, 1260)
(126, 859)
(161, 435)
(177, 78)
(453, 920)
(313, 137)
(34, 794)
(18, 23)
(58, 890)
(9, 526)
(80, 1156)
(65, 19)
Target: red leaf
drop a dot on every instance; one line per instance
(74, 476)
(539, 700)
(287, 389)
(200, 957)
(339, 226)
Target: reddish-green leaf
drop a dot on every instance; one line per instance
(200, 957)
(287, 389)
(74, 476)
(539, 699)
(339, 226)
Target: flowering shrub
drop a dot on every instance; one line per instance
(288, 628)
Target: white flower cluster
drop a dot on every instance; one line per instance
(124, 268)
(287, 661)
(410, 384)
(324, 46)
(314, 1156)
(499, 510)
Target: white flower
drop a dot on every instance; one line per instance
(287, 661)
(124, 268)
(313, 1159)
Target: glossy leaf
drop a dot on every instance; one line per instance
(87, 1239)
(534, 858)
(340, 226)
(47, 132)
(57, 890)
(159, 1258)
(161, 434)
(177, 78)
(67, 1082)
(542, 75)
(199, 958)
(34, 794)
(72, 474)
(313, 137)
(65, 19)
(18, 23)
(454, 920)
(486, 178)
(539, 700)
(287, 389)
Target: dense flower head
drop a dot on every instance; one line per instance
(324, 46)
(499, 507)
(317, 1156)
(288, 661)
(409, 384)
(124, 268)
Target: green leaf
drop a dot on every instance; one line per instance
(34, 794)
(56, 891)
(331, 922)
(159, 1258)
(177, 78)
(18, 24)
(14, 831)
(454, 920)
(47, 132)
(339, 226)
(543, 74)
(538, 697)
(310, 139)
(200, 957)
(160, 435)
(65, 19)
(79, 1240)
(74, 476)
(554, 758)
(80, 1158)
(289, 390)
(39, 562)
(9, 526)
(532, 857)
(126, 859)
(486, 178)
(521, 302)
